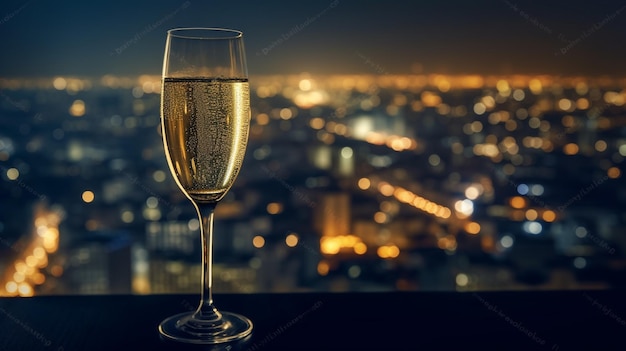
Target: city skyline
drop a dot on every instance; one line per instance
(391, 187)
(327, 37)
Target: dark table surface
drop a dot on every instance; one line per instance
(505, 320)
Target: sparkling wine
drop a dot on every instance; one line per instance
(205, 129)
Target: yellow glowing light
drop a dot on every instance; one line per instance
(263, 92)
(291, 240)
(610, 97)
(472, 193)
(29, 271)
(549, 216)
(317, 123)
(258, 241)
(78, 108)
(531, 214)
(31, 261)
(388, 251)
(395, 144)
(148, 87)
(488, 101)
(38, 278)
(329, 245)
(25, 290)
(471, 81)
(404, 196)
(386, 188)
(535, 86)
(534, 122)
(570, 149)
(346, 152)
(285, 113)
(127, 216)
(88, 196)
(274, 208)
(43, 262)
(394, 251)
(360, 248)
(309, 99)
(380, 217)
(582, 88)
(364, 183)
(518, 95)
(13, 173)
(11, 287)
(375, 138)
(464, 207)
(446, 213)
(40, 221)
(305, 85)
(442, 243)
(52, 232)
(502, 86)
(450, 244)
(50, 245)
(341, 129)
(323, 268)
(613, 172)
(19, 277)
(547, 146)
(412, 199)
(494, 118)
(39, 253)
(600, 145)
(461, 279)
(59, 83)
(582, 104)
(348, 240)
(565, 104)
(430, 99)
(262, 119)
(517, 202)
(21, 267)
(443, 85)
(479, 108)
(472, 228)
(141, 285)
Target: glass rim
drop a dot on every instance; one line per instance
(218, 33)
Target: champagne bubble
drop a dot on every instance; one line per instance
(206, 123)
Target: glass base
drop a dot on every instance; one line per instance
(184, 328)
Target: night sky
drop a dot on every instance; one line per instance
(43, 38)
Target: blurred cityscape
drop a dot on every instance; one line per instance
(350, 183)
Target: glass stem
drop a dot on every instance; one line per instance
(206, 311)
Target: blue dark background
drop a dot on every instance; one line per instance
(43, 38)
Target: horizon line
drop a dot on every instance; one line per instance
(454, 81)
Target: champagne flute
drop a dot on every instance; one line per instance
(205, 118)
